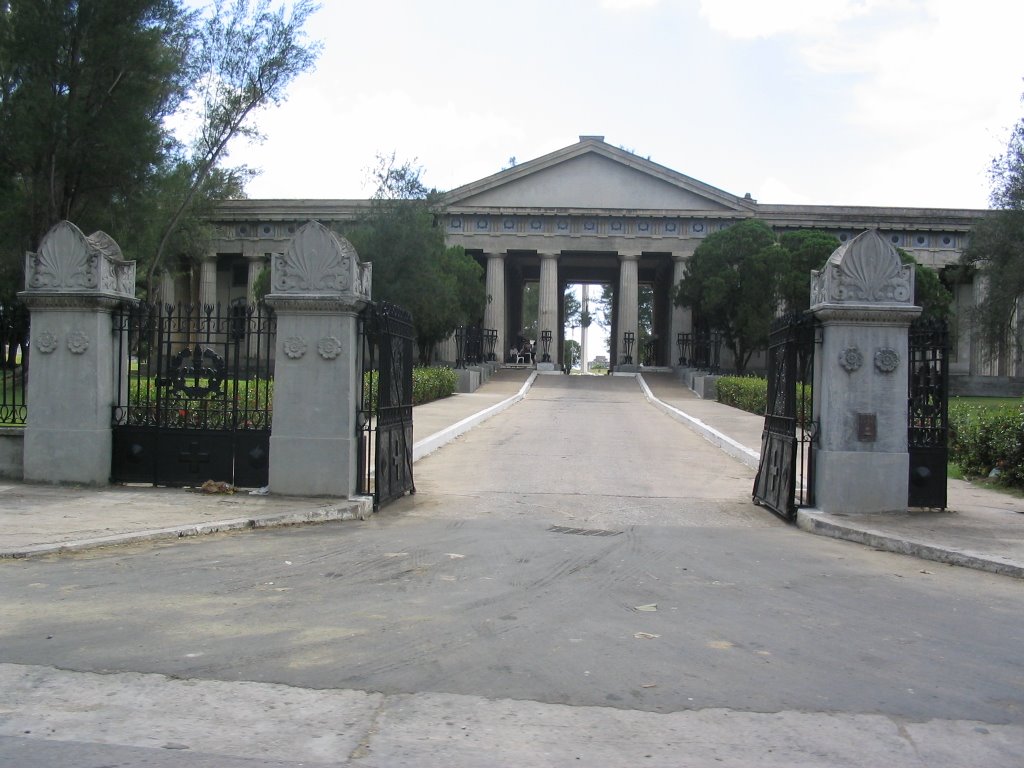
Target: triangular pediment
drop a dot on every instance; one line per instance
(594, 175)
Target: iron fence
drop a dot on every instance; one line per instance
(195, 395)
(14, 346)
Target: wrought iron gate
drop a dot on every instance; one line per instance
(194, 402)
(928, 413)
(785, 475)
(385, 416)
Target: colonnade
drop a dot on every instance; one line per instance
(621, 270)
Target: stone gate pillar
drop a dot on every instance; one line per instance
(318, 287)
(72, 286)
(864, 299)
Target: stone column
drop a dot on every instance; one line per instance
(547, 311)
(629, 322)
(447, 351)
(167, 288)
(682, 317)
(317, 289)
(256, 264)
(494, 311)
(864, 300)
(208, 281)
(72, 287)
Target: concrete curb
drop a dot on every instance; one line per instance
(737, 450)
(357, 508)
(817, 522)
(431, 443)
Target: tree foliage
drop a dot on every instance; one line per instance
(732, 284)
(802, 251)
(441, 286)
(741, 278)
(84, 91)
(996, 248)
(572, 354)
(245, 54)
(90, 94)
(929, 293)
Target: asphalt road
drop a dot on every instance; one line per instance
(580, 550)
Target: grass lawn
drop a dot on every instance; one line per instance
(987, 402)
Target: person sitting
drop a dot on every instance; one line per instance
(526, 353)
(514, 356)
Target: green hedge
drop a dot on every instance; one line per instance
(432, 384)
(748, 393)
(983, 438)
(428, 384)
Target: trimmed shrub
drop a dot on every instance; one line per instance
(432, 384)
(748, 393)
(982, 439)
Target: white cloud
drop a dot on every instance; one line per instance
(750, 19)
(628, 5)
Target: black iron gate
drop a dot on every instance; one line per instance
(928, 413)
(385, 415)
(785, 474)
(194, 402)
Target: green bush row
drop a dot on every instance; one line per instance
(748, 393)
(432, 384)
(983, 438)
(428, 384)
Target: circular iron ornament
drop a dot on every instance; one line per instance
(851, 359)
(329, 347)
(698, 227)
(78, 342)
(47, 342)
(294, 347)
(887, 360)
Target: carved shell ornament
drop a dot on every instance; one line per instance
(887, 360)
(65, 260)
(851, 359)
(864, 270)
(294, 347)
(870, 270)
(316, 261)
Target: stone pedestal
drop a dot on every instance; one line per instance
(864, 300)
(318, 288)
(72, 287)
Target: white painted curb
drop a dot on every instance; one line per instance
(431, 443)
(724, 442)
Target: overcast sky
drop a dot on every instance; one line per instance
(870, 102)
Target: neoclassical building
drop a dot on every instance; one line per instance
(589, 213)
